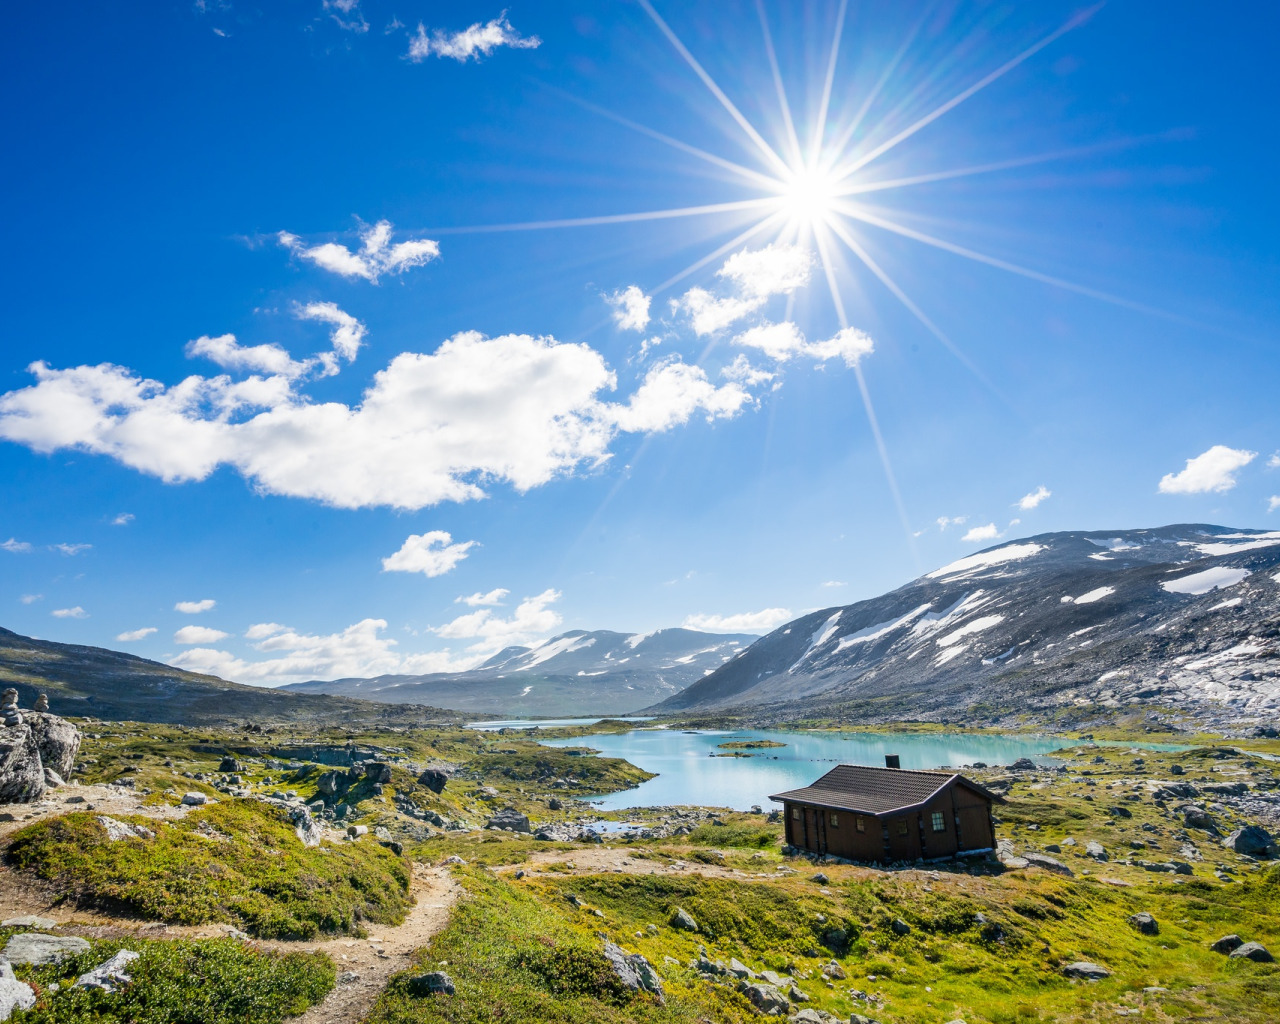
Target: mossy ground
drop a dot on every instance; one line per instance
(208, 981)
(238, 862)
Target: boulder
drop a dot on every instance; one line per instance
(634, 971)
(52, 779)
(765, 998)
(1227, 943)
(378, 772)
(333, 783)
(683, 920)
(434, 780)
(194, 799)
(1095, 850)
(1086, 971)
(117, 830)
(1254, 951)
(21, 770)
(740, 970)
(796, 995)
(228, 764)
(433, 983)
(811, 1016)
(1252, 841)
(1023, 764)
(900, 927)
(833, 971)
(820, 878)
(57, 739)
(29, 921)
(1041, 860)
(1144, 923)
(1197, 817)
(111, 975)
(555, 804)
(14, 994)
(39, 948)
(307, 828)
(509, 818)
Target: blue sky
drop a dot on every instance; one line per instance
(284, 394)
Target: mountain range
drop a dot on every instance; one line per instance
(575, 673)
(1063, 627)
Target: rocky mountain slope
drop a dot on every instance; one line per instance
(1061, 626)
(576, 673)
(99, 683)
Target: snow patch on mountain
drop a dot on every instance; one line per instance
(987, 559)
(976, 626)
(1217, 578)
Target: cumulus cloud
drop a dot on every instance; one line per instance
(741, 371)
(945, 521)
(195, 607)
(630, 308)
(432, 427)
(128, 636)
(533, 617)
(1274, 461)
(479, 600)
(757, 275)
(123, 519)
(70, 613)
(478, 40)
(348, 332)
(835, 583)
(981, 533)
(189, 635)
(228, 353)
(744, 622)
(784, 341)
(1273, 502)
(432, 554)
(1212, 472)
(358, 650)
(1030, 501)
(70, 549)
(31, 598)
(376, 257)
(16, 547)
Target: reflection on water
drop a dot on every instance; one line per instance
(687, 774)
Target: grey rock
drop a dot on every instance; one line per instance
(39, 948)
(683, 920)
(834, 971)
(111, 975)
(1095, 850)
(1252, 841)
(29, 921)
(811, 1016)
(433, 983)
(52, 779)
(820, 878)
(14, 994)
(229, 764)
(555, 804)
(1144, 923)
(434, 780)
(306, 827)
(509, 818)
(900, 927)
(1085, 970)
(57, 739)
(117, 830)
(331, 784)
(765, 998)
(194, 799)
(740, 970)
(796, 995)
(378, 772)
(1040, 860)
(21, 770)
(634, 971)
(1023, 764)
(778, 981)
(1254, 951)
(1227, 943)
(1199, 818)
(348, 978)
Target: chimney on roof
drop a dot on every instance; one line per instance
(892, 761)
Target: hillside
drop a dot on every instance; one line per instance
(99, 683)
(576, 673)
(1057, 626)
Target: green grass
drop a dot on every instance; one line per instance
(238, 862)
(208, 981)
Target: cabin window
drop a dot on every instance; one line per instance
(796, 813)
(835, 820)
(902, 826)
(861, 822)
(939, 824)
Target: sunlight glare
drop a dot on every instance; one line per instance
(808, 195)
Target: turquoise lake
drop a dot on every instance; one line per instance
(688, 774)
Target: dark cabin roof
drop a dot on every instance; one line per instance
(877, 791)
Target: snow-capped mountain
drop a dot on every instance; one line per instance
(1060, 625)
(576, 673)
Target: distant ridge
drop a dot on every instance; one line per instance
(1061, 627)
(575, 673)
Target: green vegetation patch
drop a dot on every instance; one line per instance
(574, 766)
(238, 862)
(208, 981)
(750, 745)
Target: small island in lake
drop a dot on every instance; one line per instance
(749, 744)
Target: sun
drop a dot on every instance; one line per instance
(808, 195)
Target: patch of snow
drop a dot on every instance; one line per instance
(1082, 632)
(636, 639)
(1066, 599)
(1202, 582)
(1276, 577)
(525, 691)
(949, 655)
(1273, 535)
(1233, 602)
(1102, 558)
(1264, 540)
(1095, 595)
(603, 671)
(551, 648)
(967, 604)
(976, 626)
(821, 635)
(1114, 544)
(871, 634)
(985, 559)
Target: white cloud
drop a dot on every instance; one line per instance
(348, 332)
(346, 336)
(835, 583)
(349, 16)
(630, 308)
(1274, 461)
(70, 549)
(778, 341)
(16, 547)
(742, 372)
(671, 393)
(710, 315)
(432, 553)
(757, 274)
(195, 607)
(1030, 501)
(376, 257)
(226, 352)
(123, 519)
(981, 533)
(532, 618)
(945, 521)
(476, 41)
(70, 613)
(198, 635)
(1273, 502)
(478, 599)
(135, 634)
(1214, 471)
(850, 344)
(744, 622)
(31, 598)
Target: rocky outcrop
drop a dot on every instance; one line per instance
(37, 750)
(14, 994)
(111, 975)
(509, 819)
(1252, 841)
(39, 949)
(434, 779)
(58, 740)
(21, 771)
(634, 971)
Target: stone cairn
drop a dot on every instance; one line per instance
(9, 708)
(41, 704)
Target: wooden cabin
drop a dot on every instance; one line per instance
(889, 814)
